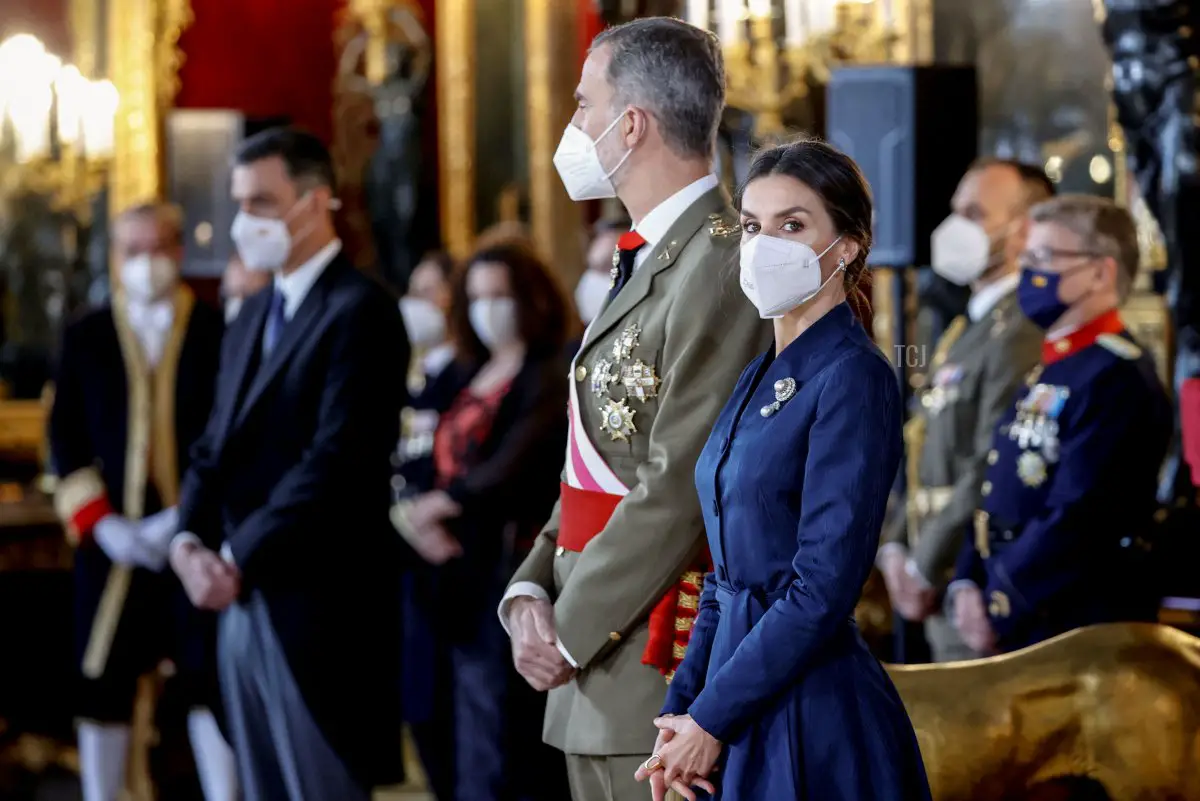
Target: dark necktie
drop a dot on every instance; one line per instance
(275, 323)
(627, 249)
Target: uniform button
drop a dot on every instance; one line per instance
(559, 551)
(1007, 535)
(993, 456)
(615, 636)
(1126, 542)
(986, 489)
(580, 373)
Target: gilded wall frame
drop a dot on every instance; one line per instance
(135, 44)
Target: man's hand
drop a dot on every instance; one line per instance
(435, 545)
(913, 598)
(535, 644)
(972, 621)
(118, 538)
(431, 508)
(209, 581)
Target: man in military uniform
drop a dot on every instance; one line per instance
(133, 391)
(975, 371)
(1070, 487)
(600, 611)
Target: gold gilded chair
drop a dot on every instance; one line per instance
(1119, 703)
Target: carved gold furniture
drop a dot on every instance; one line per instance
(1115, 702)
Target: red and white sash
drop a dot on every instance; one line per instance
(586, 468)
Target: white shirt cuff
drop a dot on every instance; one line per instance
(522, 589)
(888, 548)
(527, 589)
(227, 554)
(910, 567)
(184, 538)
(955, 586)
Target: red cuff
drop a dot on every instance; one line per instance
(87, 517)
(1189, 424)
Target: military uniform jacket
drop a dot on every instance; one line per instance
(657, 366)
(1070, 488)
(974, 375)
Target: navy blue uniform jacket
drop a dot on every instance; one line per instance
(1070, 491)
(793, 483)
(294, 472)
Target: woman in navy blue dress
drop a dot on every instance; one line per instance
(779, 697)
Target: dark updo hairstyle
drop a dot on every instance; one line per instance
(840, 184)
(542, 308)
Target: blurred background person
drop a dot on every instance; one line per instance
(1069, 497)
(139, 371)
(498, 452)
(977, 365)
(424, 308)
(597, 280)
(237, 284)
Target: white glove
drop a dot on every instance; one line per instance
(155, 534)
(118, 538)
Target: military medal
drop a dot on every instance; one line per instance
(602, 378)
(785, 390)
(640, 381)
(615, 272)
(717, 226)
(1031, 469)
(617, 420)
(625, 343)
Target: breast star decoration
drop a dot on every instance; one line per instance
(617, 420)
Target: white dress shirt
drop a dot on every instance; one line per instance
(151, 323)
(653, 227)
(294, 287)
(987, 297)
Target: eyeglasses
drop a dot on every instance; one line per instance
(1040, 258)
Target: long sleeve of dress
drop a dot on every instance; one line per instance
(854, 450)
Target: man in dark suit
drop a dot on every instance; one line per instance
(284, 513)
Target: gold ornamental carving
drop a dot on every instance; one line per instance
(455, 52)
(143, 63)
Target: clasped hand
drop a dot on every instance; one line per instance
(972, 621)
(913, 599)
(535, 644)
(686, 755)
(421, 521)
(209, 581)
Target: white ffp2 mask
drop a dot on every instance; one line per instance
(579, 167)
(494, 321)
(780, 274)
(960, 250)
(264, 243)
(590, 294)
(147, 277)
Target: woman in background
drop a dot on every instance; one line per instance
(778, 697)
(498, 452)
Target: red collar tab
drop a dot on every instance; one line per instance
(630, 240)
(1054, 350)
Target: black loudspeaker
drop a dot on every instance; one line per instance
(200, 148)
(913, 131)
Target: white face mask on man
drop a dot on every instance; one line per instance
(780, 274)
(961, 250)
(264, 243)
(578, 163)
(147, 278)
(494, 321)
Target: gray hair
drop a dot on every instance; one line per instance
(673, 70)
(168, 215)
(1104, 227)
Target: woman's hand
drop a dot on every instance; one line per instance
(686, 753)
(658, 787)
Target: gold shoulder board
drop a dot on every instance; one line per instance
(1119, 346)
